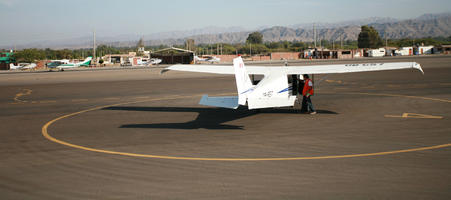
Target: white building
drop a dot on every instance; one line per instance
(390, 51)
(376, 52)
(425, 50)
(404, 51)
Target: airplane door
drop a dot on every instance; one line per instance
(294, 84)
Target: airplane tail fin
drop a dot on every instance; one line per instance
(12, 66)
(243, 82)
(86, 62)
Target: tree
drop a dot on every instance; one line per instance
(273, 45)
(228, 49)
(253, 48)
(29, 55)
(255, 38)
(369, 38)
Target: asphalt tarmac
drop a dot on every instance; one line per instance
(136, 134)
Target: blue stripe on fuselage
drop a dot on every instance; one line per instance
(285, 90)
(249, 90)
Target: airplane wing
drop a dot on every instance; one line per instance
(348, 68)
(30, 66)
(311, 69)
(215, 69)
(332, 69)
(263, 95)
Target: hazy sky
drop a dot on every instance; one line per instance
(24, 21)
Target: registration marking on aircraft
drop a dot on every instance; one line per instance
(45, 133)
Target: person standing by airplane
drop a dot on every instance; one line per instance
(307, 92)
(300, 88)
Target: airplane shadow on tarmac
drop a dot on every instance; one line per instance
(208, 118)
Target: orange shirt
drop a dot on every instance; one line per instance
(308, 87)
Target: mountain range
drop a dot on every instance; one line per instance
(427, 25)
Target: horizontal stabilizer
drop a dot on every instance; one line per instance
(224, 102)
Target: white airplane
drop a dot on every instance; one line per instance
(274, 90)
(61, 67)
(211, 59)
(22, 66)
(63, 61)
(155, 61)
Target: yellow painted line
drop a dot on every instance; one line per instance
(24, 92)
(47, 101)
(415, 115)
(111, 98)
(79, 100)
(145, 97)
(368, 87)
(334, 81)
(398, 95)
(420, 85)
(45, 133)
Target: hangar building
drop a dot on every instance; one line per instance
(174, 55)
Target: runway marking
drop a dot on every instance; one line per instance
(143, 97)
(45, 133)
(111, 98)
(399, 95)
(47, 101)
(24, 92)
(79, 100)
(415, 115)
(368, 87)
(334, 81)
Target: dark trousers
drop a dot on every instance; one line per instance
(304, 104)
(307, 105)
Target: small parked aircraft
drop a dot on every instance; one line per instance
(155, 61)
(274, 90)
(61, 67)
(22, 66)
(211, 59)
(63, 61)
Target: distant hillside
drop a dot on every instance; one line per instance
(425, 26)
(357, 22)
(428, 25)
